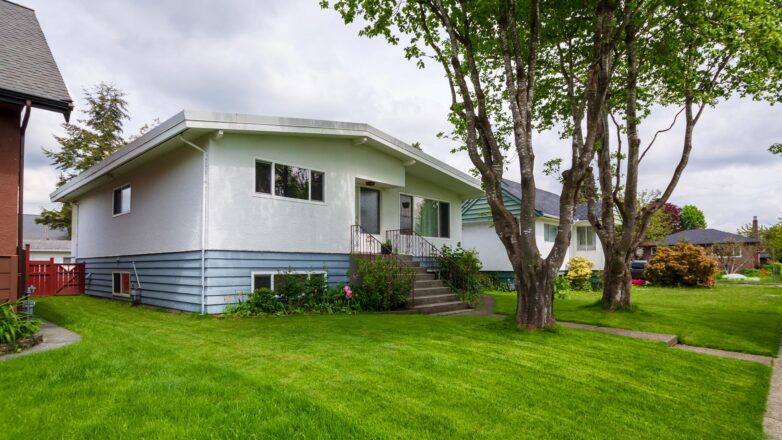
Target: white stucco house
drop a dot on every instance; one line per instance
(206, 205)
(478, 231)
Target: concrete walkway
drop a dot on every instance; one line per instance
(486, 308)
(54, 337)
(772, 421)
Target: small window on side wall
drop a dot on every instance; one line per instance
(586, 238)
(121, 204)
(120, 283)
(550, 233)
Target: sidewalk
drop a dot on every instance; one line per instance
(54, 337)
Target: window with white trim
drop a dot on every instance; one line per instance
(431, 218)
(550, 232)
(265, 280)
(120, 283)
(586, 238)
(289, 181)
(121, 200)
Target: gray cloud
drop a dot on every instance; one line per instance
(290, 58)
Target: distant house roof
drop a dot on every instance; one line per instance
(49, 245)
(706, 236)
(27, 67)
(546, 204)
(35, 231)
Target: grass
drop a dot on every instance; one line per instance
(140, 373)
(737, 318)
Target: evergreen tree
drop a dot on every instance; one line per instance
(86, 143)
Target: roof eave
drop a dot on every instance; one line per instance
(185, 120)
(54, 105)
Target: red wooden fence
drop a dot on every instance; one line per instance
(50, 278)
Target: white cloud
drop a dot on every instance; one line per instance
(293, 59)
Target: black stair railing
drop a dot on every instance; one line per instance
(408, 242)
(366, 245)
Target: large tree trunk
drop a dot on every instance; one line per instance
(617, 282)
(534, 308)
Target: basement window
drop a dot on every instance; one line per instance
(120, 283)
(121, 204)
(265, 280)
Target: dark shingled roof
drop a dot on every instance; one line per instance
(34, 231)
(27, 67)
(706, 236)
(546, 202)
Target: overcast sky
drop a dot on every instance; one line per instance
(290, 58)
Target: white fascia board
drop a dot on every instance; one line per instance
(143, 144)
(187, 119)
(270, 124)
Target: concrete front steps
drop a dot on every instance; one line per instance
(431, 295)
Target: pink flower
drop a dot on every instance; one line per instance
(638, 282)
(348, 292)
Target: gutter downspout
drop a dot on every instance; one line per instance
(205, 183)
(20, 214)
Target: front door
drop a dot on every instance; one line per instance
(369, 210)
(406, 214)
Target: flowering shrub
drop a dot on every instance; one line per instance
(579, 271)
(681, 265)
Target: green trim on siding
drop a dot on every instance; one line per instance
(477, 210)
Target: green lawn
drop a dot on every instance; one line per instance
(141, 373)
(737, 318)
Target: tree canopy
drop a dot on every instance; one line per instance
(87, 142)
(692, 217)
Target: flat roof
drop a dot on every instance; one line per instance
(201, 122)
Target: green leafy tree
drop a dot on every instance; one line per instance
(770, 238)
(502, 68)
(687, 55)
(86, 143)
(692, 217)
(776, 149)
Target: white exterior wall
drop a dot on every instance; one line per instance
(596, 256)
(165, 213)
(239, 219)
(482, 237)
(59, 257)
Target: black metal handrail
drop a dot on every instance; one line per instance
(408, 242)
(366, 245)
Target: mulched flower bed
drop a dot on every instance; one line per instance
(21, 344)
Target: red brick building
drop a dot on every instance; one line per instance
(29, 79)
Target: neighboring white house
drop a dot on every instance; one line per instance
(206, 205)
(46, 243)
(478, 231)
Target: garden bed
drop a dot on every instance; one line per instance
(21, 344)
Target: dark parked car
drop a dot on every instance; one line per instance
(637, 269)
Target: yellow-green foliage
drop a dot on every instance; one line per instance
(683, 264)
(579, 271)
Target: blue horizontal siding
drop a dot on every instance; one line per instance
(173, 280)
(170, 280)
